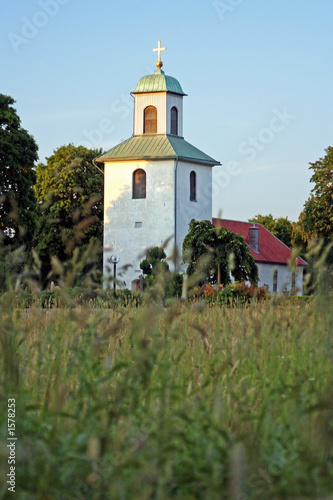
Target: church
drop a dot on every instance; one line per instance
(155, 182)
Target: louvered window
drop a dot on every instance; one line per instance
(139, 183)
(150, 120)
(174, 121)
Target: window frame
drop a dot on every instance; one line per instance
(150, 123)
(174, 121)
(139, 186)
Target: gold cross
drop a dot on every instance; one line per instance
(159, 63)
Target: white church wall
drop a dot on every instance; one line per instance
(186, 209)
(284, 277)
(131, 226)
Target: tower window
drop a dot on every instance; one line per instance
(174, 121)
(150, 120)
(193, 186)
(139, 183)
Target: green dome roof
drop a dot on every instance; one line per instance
(158, 82)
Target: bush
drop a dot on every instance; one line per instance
(234, 293)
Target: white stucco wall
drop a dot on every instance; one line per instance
(284, 278)
(186, 209)
(156, 212)
(163, 102)
(121, 212)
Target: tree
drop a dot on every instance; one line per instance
(154, 262)
(18, 153)
(281, 228)
(321, 202)
(218, 252)
(303, 229)
(315, 222)
(154, 267)
(69, 191)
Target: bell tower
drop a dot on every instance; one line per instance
(158, 103)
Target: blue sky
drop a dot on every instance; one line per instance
(258, 75)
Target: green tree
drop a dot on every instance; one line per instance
(313, 232)
(155, 268)
(153, 264)
(281, 227)
(321, 203)
(217, 252)
(303, 229)
(18, 153)
(69, 191)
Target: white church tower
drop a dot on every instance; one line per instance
(155, 182)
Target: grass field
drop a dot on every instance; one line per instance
(186, 402)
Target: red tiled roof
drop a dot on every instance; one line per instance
(271, 249)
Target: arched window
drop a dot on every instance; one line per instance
(139, 183)
(150, 120)
(193, 186)
(174, 121)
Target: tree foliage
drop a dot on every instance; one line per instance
(156, 272)
(209, 248)
(281, 227)
(154, 262)
(69, 191)
(320, 205)
(316, 220)
(18, 153)
(303, 229)
(153, 265)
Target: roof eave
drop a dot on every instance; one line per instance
(135, 158)
(200, 161)
(157, 92)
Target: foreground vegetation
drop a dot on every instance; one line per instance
(192, 401)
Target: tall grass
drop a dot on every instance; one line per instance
(187, 401)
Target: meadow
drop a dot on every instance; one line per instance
(189, 401)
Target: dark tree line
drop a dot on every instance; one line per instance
(50, 209)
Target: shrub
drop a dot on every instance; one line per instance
(240, 293)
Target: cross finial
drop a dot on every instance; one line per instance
(159, 63)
